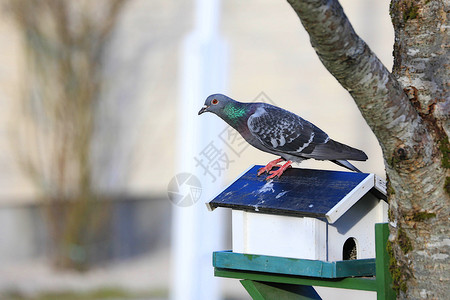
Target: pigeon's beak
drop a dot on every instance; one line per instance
(203, 109)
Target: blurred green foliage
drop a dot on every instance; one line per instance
(103, 293)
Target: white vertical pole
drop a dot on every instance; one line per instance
(196, 233)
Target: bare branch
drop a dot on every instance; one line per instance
(64, 43)
(377, 93)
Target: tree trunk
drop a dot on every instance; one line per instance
(408, 111)
(421, 199)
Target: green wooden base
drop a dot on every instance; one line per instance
(266, 277)
(294, 266)
(365, 284)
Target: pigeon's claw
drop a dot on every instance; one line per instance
(270, 166)
(280, 170)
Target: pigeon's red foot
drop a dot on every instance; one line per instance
(280, 170)
(269, 166)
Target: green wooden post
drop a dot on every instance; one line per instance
(271, 291)
(383, 276)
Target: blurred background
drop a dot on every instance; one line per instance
(99, 131)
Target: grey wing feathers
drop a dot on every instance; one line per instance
(283, 132)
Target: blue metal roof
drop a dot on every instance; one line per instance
(298, 192)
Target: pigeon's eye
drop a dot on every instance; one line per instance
(214, 101)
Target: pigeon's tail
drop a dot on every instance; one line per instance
(346, 152)
(333, 150)
(346, 164)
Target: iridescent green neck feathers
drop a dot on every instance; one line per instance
(234, 113)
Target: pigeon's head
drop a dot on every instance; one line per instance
(215, 104)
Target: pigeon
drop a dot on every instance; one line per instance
(277, 131)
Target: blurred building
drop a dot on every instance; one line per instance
(270, 53)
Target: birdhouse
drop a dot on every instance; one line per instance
(305, 214)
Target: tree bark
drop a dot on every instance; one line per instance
(408, 111)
